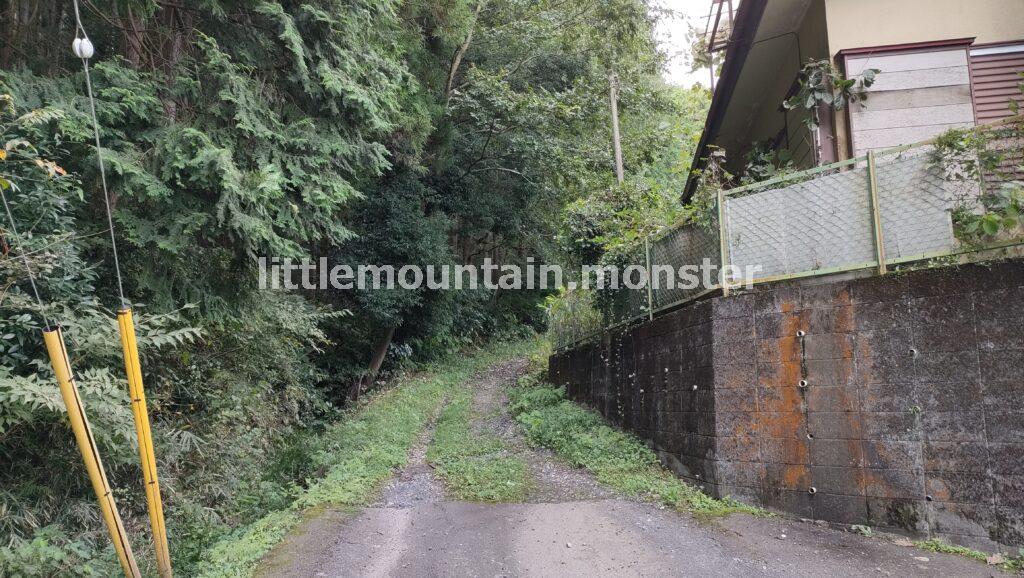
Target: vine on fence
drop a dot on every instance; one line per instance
(991, 157)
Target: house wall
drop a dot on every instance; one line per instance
(909, 418)
(860, 23)
(916, 96)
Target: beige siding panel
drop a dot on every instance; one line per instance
(891, 137)
(915, 98)
(904, 62)
(911, 79)
(871, 119)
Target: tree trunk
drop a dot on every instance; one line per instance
(613, 96)
(380, 349)
(134, 29)
(457, 58)
(9, 33)
(179, 25)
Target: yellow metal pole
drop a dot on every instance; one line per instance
(133, 368)
(54, 340)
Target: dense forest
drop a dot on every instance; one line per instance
(364, 131)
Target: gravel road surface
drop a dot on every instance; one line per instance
(570, 525)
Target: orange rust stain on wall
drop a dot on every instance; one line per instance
(785, 398)
(844, 321)
(843, 297)
(784, 415)
(846, 347)
(795, 477)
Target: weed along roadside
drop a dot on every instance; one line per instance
(616, 458)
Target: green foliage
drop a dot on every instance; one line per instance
(662, 125)
(1007, 564)
(820, 83)
(616, 458)
(526, 398)
(231, 130)
(51, 553)
(711, 180)
(1002, 213)
(572, 315)
(239, 554)
(607, 223)
(763, 163)
(964, 154)
(987, 158)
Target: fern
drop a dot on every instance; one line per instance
(39, 116)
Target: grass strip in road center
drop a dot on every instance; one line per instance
(475, 466)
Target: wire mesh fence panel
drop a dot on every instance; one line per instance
(573, 319)
(626, 304)
(915, 201)
(821, 223)
(694, 245)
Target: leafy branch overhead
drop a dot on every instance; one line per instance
(821, 84)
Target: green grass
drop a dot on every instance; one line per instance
(475, 467)
(356, 455)
(616, 458)
(1009, 563)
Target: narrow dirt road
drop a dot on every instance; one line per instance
(570, 525)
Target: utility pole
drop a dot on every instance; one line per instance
(613, 96)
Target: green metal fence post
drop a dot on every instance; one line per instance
(723, 242)
(650, 278)
(876, 217)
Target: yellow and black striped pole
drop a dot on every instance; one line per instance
(54, 340)
(126, 324)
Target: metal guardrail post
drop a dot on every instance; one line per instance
(876, 217)
(650, 278)
(723, 242)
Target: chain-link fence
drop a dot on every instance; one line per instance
(896, 206)
(801, 224)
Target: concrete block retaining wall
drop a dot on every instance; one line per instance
(895, 402)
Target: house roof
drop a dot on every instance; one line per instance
(748, 18)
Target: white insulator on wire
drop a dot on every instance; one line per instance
(83, 48)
